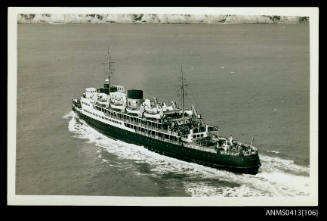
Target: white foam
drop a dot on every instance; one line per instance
(201, 189)
(69, 115)
(299, 185)
(274, 151)
(277, 177)
(270, 164)
(105, 161)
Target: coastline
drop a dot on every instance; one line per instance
(158, 19)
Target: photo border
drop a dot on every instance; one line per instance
(13, 199)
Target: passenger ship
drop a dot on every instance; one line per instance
(166, 129)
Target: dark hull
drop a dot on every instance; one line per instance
(245, 164)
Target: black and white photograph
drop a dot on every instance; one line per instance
(163, 106)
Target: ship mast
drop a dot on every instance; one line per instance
(109, 70)
(182, 93)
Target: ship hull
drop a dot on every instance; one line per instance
(245, 164)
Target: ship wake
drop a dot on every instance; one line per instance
(276, 177)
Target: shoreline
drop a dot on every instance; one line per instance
(157, 19)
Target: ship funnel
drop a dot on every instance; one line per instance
(135, 94)
(134, 98)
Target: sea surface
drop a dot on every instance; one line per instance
(250, 80)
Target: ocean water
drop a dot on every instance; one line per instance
(251, 80)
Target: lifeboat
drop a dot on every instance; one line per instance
(167, 108)
(156, 113)
(150, 110)
(133, 111)
(155, 116)
(118, 107)
(118, 102)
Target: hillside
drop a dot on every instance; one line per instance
(159, 18)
